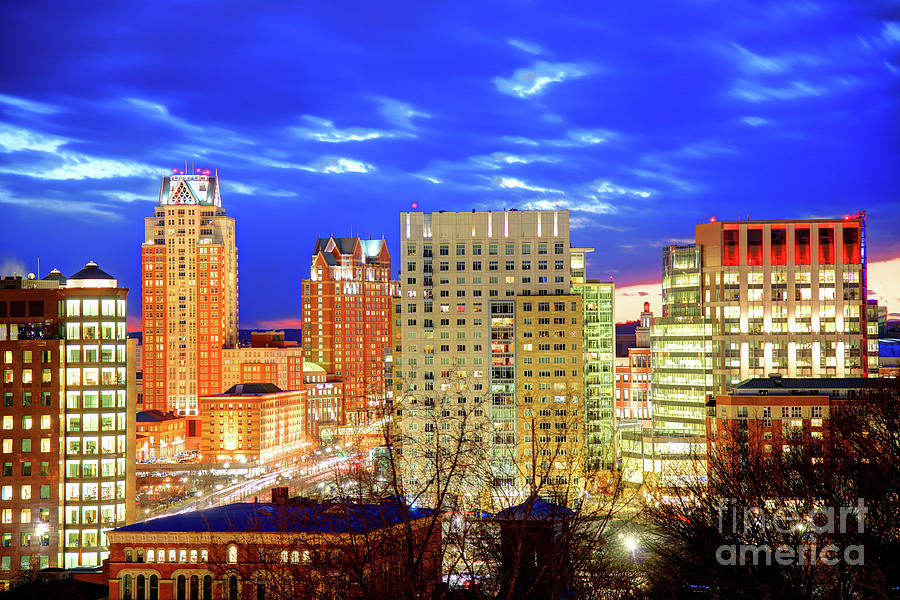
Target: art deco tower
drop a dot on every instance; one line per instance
(190, 294)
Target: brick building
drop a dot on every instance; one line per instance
(262, 550)
(164, 432)
(255, 423)
(67, 439)
(347, 322)
(768, 414)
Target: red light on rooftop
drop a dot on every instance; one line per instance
(174, 170)
(414, 205)
(712, 219)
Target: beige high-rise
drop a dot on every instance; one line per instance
(455, 359)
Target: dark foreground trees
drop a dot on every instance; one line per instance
(814, 517)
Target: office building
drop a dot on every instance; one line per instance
(749, 299)
(67, 421)
(189, 266)
(598, 301)
(347, 323)
(462, 274)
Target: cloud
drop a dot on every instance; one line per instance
(527, 82)
(499, 160)
(629, 301)
(73, 165)
(666, 178)
(751, 62)
(525, 46)
(750, 91)
(511, 183)
(574, 137)
(75, 208)
(755, 121)
(28, 105)
(55, 162)
(17, 139)
(519, 140)
(610, 189)
(884, 283)
(326, 164)
(400, 113)
(161, 112)
(323, 130)
(127, 197)
(590, 204)
(235, 187)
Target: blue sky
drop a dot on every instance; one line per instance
(334, 117)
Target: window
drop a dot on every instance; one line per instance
(232, 554)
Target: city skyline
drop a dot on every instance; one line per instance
(642, 124)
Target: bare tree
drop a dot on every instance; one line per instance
(812, 517)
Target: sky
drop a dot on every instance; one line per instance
(642, 119)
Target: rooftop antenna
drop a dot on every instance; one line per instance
(39, 268)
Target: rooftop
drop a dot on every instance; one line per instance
(269, 517)
(251, 389)
(806, 383)
(154, 416)
(91, 271)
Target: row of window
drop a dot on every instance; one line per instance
(476, 249)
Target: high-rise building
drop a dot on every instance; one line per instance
(67, 420)
(463, 274)
(347, 322)
(598, 301)
(749, 299)
(189, 267)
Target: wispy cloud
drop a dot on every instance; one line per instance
(43, 156)
(28, 105)
(17, 139)
(400, 113)
(755, 121)
(609, 189)
(76, 208)
(754, 63)
(127, 197)
(499, 160)
(243, 189)
(574, 137)
(161, 112)
(524, 46)
(326, 164)
(323, 130)
(511, 183)
(534, 80)
(589, 204)
(751, 91)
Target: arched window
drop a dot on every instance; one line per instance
(180, 592)
(151, 555)
(139, 588)
(260, 588)
(126, 588)
(154, 587)
(233, 588)
(195, 587)
(139, 555)
(232, 554)
(207, 587)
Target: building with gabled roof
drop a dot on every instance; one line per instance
(347, 322)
